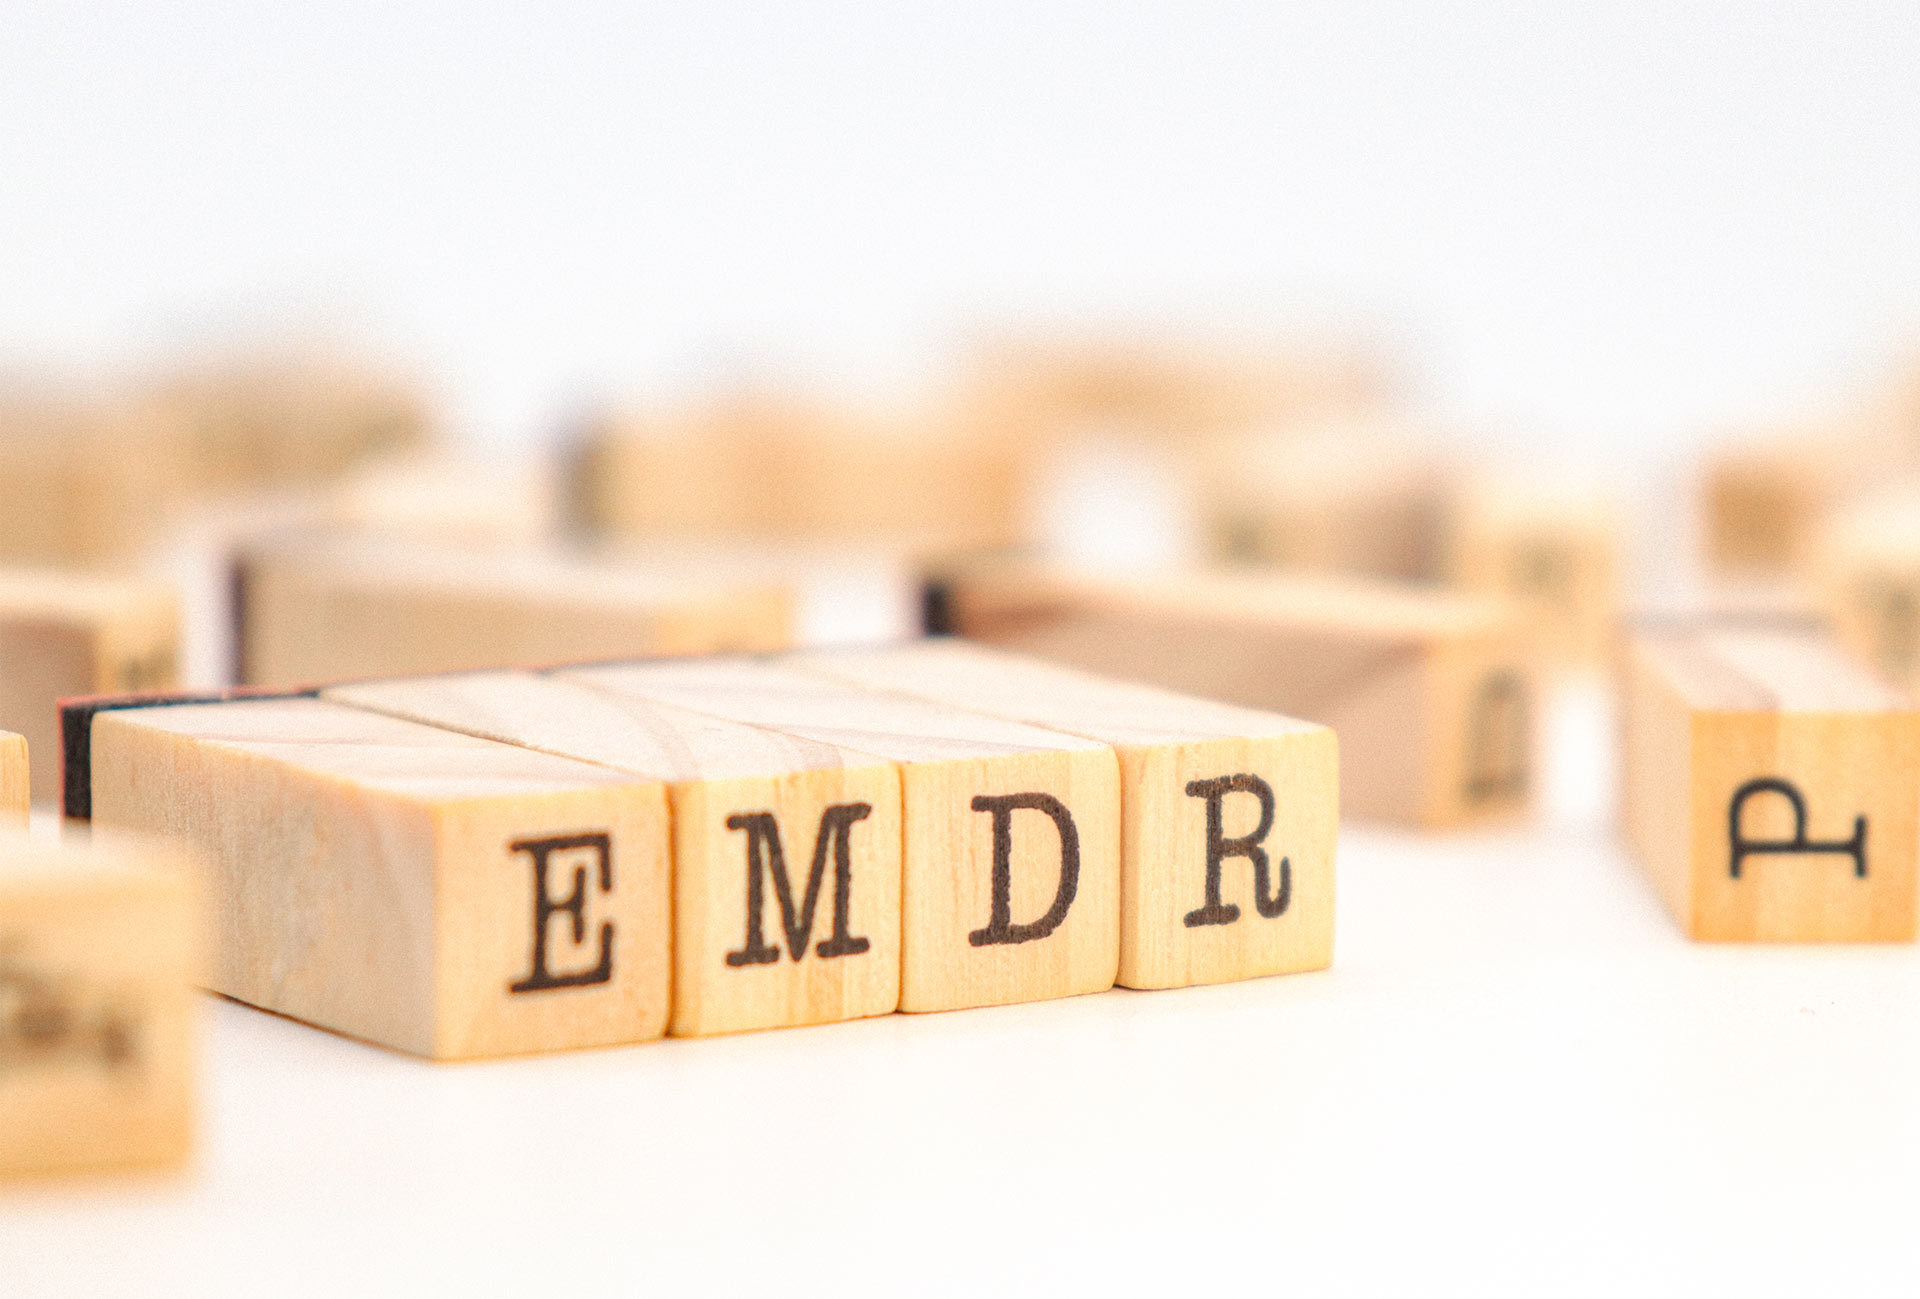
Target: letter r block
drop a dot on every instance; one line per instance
(416, 887)
(1771, 785)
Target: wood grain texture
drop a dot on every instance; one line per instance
(14, 781)
(1248, 798)
(320, 609)
(983, 800)
(100, 948)
(404, 884)
(717, 774)
(65, 634)
(1771, 786)
(1431, 693)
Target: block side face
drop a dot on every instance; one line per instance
(322, 891)
(513, 971)
(948, 894)
(1270, 913)
(1659, 735)
(731, 974)
(106, 968)
(1485, 704)
(45, 662)
(1806, 827)
(15, 783)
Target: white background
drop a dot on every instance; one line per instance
(1600, 228)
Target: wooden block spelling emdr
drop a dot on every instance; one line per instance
(786, 886)
(1430, 692)
(322, 608)
(1771, 785)
(67, 634)
(100, 949)
(432, 891)
(1228, 815)
(1011, 834)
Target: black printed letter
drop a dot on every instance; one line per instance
(1001, 929)
(575, 905)
(764, 851)
(1220, 848)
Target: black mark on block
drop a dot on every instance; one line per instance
(46, 1020)
(1001, 929)
(1219, 848)
(540, 978)
(765, 856)
(1498, 739)
(1742, 847)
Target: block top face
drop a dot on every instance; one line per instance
(1349, 605)
(966, 675)
(765, 693)
(1756, 668)
(56, 595)
(396, 757)
(623, 732)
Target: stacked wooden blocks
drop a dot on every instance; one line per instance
(485, 863)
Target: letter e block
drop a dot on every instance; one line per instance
(1772, 786)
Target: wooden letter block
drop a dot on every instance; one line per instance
(99, 954)
(68, 634)
(320, 609)
(1011, 858)
(1431, 693)
(427, 890)
(1771, 786)
(13, 782)
(1551, 548)
(1763, 498)
(1228, 816)
(786, 876)
(1864, 575)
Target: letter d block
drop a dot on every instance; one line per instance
(99, 954)
(427, 890)
(1772, 786)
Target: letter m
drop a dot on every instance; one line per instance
(766, 857)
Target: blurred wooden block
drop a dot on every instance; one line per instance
(1771, 786)
(99, 954)
(1217, 802)
(331, 608)
(436, 892)
(1011, 834)
(14, 786)
(1551, 548)
(1764, 498)
(1432, 693)
(751, 809)
(447, 498)
(793, 470)
(1352, 499)
(1864, 576)
(66, 634)
(84, 483)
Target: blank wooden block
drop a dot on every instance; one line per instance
(1228, 815)
(1863, 574)
(1361, 498)
(84, 482)
(324, 608)
(791, 469)
(13, 782)
(1432, 693)
(1763, 498)
(786, 878)
(100, 948)
(444, 894)
(1771, 785)
(1550, 547)
(1011, 834)
(67, 634)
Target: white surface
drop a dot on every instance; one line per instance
(1517, 1079)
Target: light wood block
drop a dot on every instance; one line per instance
(68, 634)
(1863, 574)
(1357, 498)
(1432, 693)
(1771, 786)
(423, 889)
(84, 482)
(1763, 498)
(791, 469)
(769, 929)
(100, 948)
(1552, 548)
(14, 786)
(1229, 816)
(1011, 834)
(324, 608)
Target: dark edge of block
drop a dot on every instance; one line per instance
(238, 578)
(76, 734)
(937, 614)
